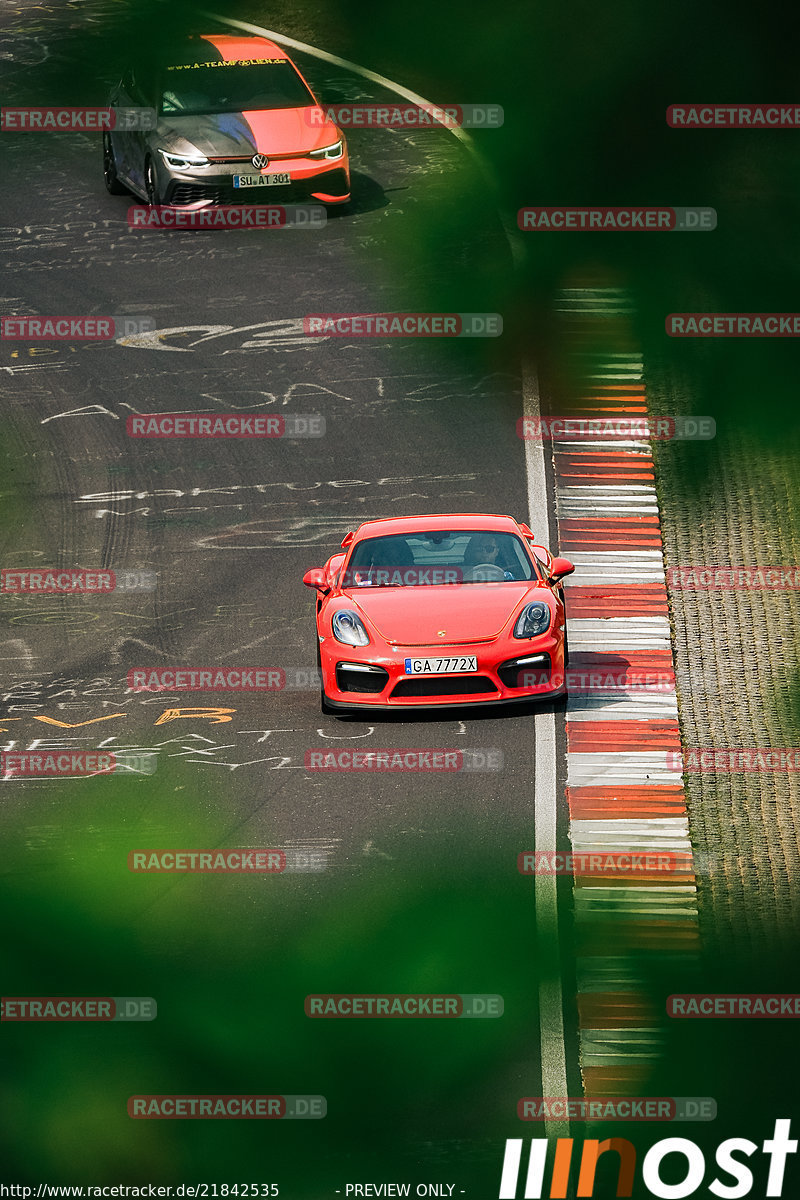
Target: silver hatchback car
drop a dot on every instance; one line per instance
(235, 120)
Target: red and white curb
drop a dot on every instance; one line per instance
(623, 792)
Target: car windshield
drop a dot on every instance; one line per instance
(217, 87)
(439, 557)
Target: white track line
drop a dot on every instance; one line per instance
(612, 567)
(621, 770)
(641, 706)
(619, 633)
(621, 442)
(629, 492)
(551, 1003)
(582, 510)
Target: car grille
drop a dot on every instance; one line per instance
(443, 685)
(515, 676)
(190, 193)
(333, 183)
(225, 193)
(348, 680)
(248, 158)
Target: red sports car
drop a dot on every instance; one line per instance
(458, 609)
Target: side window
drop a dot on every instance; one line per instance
(145, 80)
(139, 83)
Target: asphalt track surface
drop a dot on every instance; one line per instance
(230, 526)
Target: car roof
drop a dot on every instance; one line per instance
(233, 46)
(405, 525)
(220, 47)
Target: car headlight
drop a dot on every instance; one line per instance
(329, 152)
(349, 628)
(183, 162)
(533, 620)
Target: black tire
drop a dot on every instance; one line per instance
(327, 711)
(112, 181)
(151, 184)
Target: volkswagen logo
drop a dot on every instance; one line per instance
(260, 160)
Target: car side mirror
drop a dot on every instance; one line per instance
(560, 567)
(315, 578)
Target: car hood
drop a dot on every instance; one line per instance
(415, 616)
(265, 131)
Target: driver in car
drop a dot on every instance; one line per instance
(484, 548)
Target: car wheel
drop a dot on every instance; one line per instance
(112, 182)
(151, 183)
(327, 711)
